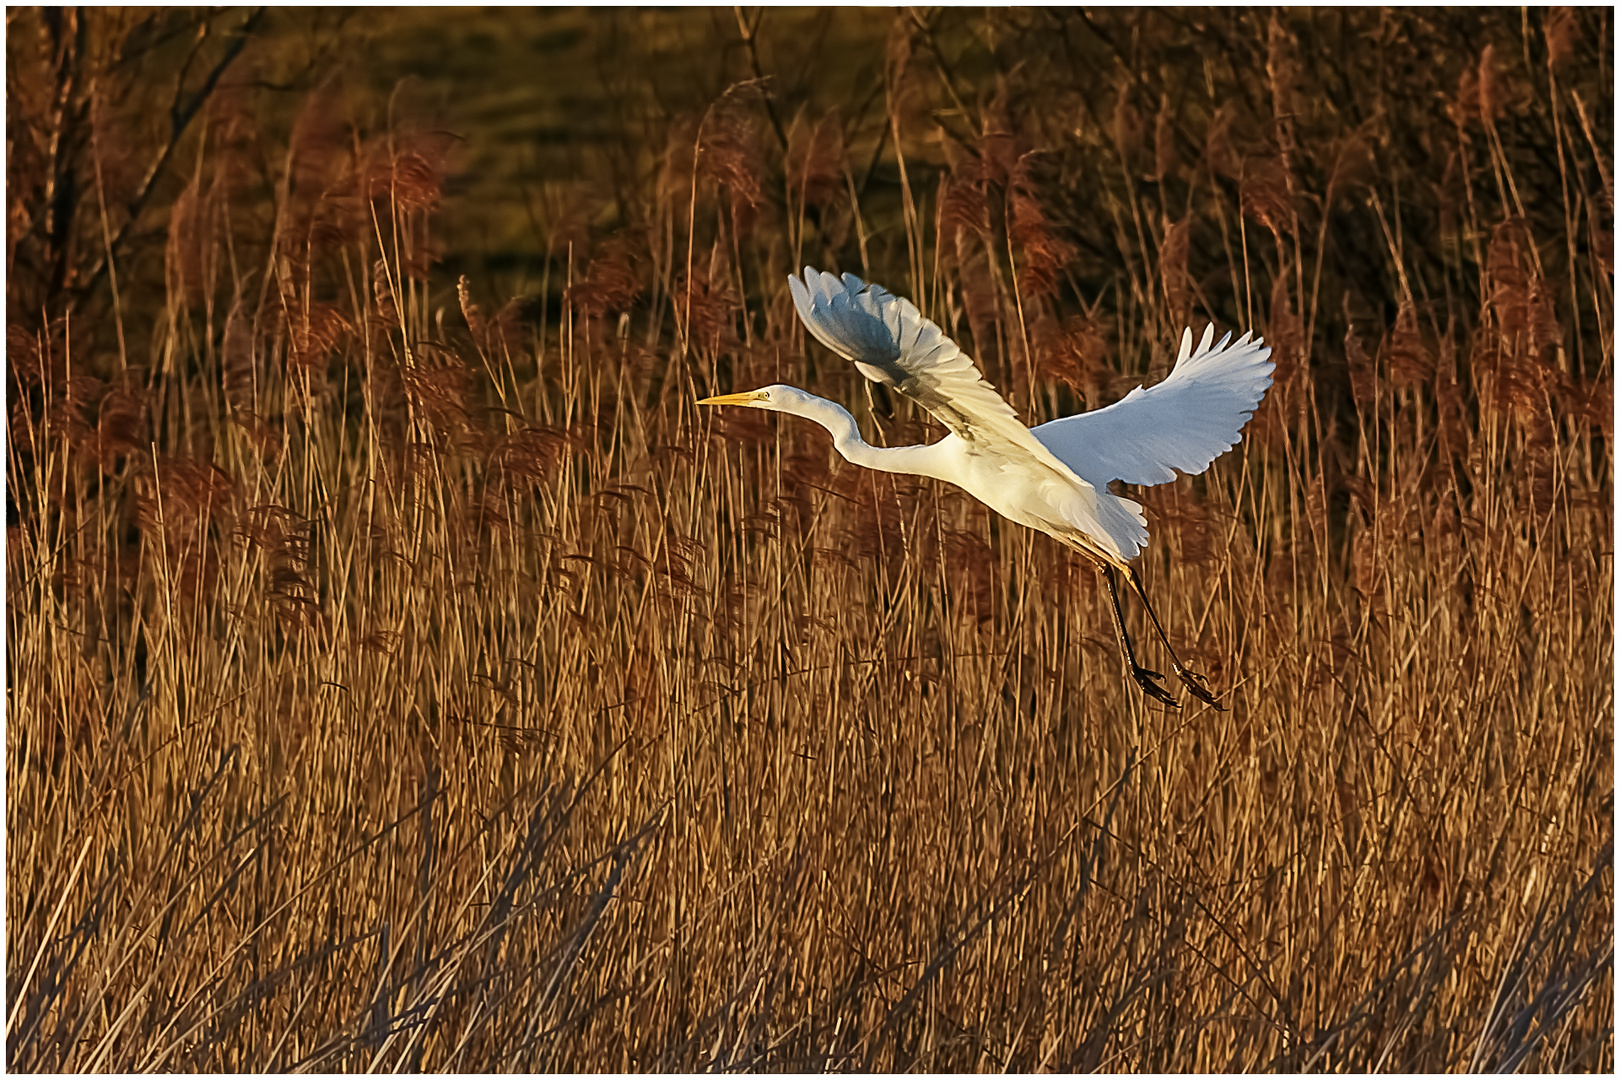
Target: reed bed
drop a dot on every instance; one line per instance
(405, 678)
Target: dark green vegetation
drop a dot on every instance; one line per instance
(400, 679)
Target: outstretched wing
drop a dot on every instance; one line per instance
(891, 343)
(1185, 422)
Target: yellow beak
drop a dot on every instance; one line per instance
(747, 398)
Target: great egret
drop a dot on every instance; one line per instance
(1053, 477)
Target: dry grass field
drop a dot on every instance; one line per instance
(409, 676)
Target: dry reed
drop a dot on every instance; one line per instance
(392, 689)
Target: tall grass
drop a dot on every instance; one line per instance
(403, 679)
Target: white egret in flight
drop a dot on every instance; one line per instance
(1053, 477)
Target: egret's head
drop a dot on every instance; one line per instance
(790, 399)
(776, 397)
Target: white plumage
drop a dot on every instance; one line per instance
(1055, 477)
(1185, 422)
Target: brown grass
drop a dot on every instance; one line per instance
(398, 679)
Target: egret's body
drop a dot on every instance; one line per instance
(1054, 477)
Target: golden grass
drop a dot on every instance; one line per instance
(397, 689)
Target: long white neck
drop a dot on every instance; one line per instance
(918, 460)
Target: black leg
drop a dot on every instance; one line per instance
(1194, 682)
(1147, 680)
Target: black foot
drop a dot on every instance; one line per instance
(1149, 682)
(1197, 686)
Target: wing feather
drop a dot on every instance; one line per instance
(890, 342)
(1193, 416)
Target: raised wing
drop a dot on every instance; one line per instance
(1185, 422)
(891, 343)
